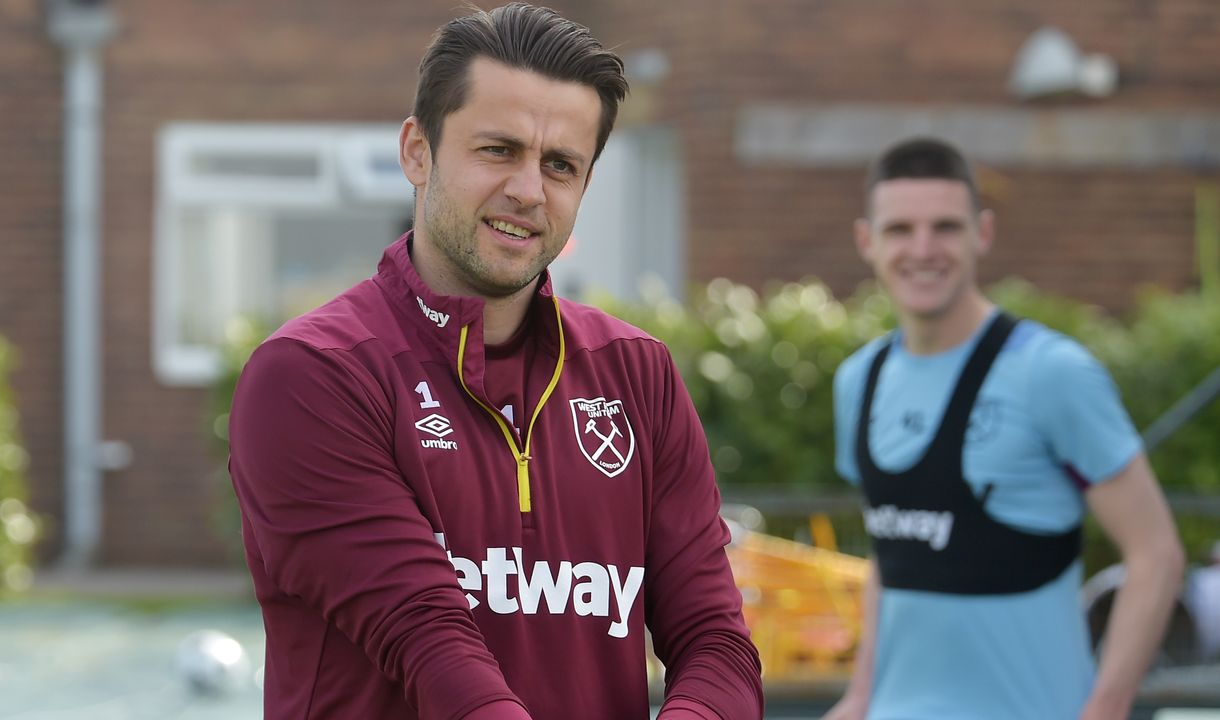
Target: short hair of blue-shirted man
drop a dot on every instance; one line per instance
(923, 158)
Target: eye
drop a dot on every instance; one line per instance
(896, 230)
(562, 166)
(496, 150)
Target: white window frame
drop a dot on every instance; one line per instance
(631, 227)
(354, 165)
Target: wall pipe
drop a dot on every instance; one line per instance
(81, 27)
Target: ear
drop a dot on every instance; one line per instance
(864, 239)
(986, 222)
(414, 153)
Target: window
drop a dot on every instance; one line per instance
(269, 221)
(631, 220)
(264, 222)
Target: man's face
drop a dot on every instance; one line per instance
(499, 193)
(923, 240)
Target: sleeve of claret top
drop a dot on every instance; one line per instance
(693, 606)
(335, 524)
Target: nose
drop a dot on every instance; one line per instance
(922, 241)
(524, 185)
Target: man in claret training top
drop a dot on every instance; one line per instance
(462, 496)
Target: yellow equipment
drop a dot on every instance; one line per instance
(802, 603)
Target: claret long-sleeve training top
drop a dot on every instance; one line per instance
(435, 527)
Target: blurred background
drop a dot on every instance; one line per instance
(180, 177)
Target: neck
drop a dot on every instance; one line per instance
(927, 335)
(502, 316)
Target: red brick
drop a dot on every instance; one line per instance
(1091, 234)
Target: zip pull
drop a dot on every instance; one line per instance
(511, 437)
(523, 481)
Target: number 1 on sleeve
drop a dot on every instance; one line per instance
(426, 392)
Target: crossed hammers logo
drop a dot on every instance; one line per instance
(619, 438)
(607, 440)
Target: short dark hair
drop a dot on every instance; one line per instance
(521, 36)
(927, 158)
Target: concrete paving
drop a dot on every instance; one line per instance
(110, 646)
(119, 660)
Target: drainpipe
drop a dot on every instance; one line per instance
(81, 28)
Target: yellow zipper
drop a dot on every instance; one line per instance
(521, 456)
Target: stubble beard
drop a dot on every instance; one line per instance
(456, 236)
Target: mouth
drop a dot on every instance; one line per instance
(924, 275)
(510, 230)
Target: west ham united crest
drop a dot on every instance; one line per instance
(603, 433)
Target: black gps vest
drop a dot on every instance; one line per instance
(929, 531)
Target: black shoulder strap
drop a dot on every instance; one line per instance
(866, 403)
(957, 414)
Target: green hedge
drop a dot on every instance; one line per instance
(18, 526)
(242, 336)
(1163, 350)
(1171, 344)
(759, 369)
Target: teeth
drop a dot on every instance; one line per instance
(507, 227)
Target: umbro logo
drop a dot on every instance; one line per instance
(438, 426)
(435, 424)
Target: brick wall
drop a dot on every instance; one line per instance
(282, 60)
(1094, 234)
(30, 239)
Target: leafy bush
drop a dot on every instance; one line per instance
(759, 370)
(242, 336)
(1169, 346)
(18, 526)
(1172, 343)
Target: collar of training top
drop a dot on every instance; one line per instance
(447, 314)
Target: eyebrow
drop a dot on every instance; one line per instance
(943, 221)
(567, 155)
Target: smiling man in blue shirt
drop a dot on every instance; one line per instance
(979, 442)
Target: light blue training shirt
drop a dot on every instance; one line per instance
(1048, 420)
